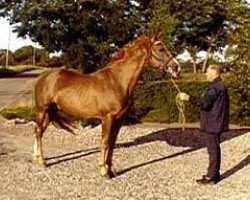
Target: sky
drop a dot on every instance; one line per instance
(15, 42)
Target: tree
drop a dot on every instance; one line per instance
(11, 60)
(24, 55)
(160, 20)
(85, 31)
(202, 25)
(238, 54)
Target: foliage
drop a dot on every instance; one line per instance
(239, 65)
(55, 62)
(20, 112)
(3, 57)
(204, 25)
(155, 102)
(161, 20)
(85, 31)
(24, 55)
(199, 21)
(29, 55)
(159, 98)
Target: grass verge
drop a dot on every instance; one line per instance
(26, 113)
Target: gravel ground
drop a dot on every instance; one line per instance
(154, 161)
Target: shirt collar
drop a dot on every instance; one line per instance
(217, 79)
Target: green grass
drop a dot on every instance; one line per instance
(191, 77)
(26, 113)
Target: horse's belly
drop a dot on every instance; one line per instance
(90, 104)
(78, 107)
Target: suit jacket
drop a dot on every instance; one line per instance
(214, 107)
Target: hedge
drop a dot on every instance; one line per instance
(159, 98)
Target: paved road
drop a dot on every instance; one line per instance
(11, 88)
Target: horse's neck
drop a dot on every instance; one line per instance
(129, 71)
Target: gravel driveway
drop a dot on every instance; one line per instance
(154, 161)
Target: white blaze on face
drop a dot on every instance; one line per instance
(174, 68)
(164, 60)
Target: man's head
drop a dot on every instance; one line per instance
(213, 71)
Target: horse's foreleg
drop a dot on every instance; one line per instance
(107, 123)
(42, 121)
(115, 131)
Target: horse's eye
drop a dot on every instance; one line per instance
(162, 50)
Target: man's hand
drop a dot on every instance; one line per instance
(184, 97)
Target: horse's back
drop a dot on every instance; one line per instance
(50, 83)
(44, 87)
(52, 77)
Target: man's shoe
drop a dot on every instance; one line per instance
(207, 180)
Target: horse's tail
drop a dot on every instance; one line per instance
(60, 119)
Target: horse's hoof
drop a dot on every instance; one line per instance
(39, 163)
(113, 171)
(42, 165)
(108, 173)
(112, 175)
(108, 176)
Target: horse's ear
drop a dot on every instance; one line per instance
(159, 35)
(153, 39)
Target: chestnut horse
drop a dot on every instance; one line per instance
(105, 94)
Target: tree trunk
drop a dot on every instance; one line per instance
(193, 55)
(6, 60)
(7, 52)
(34, 57)
(194, 65)
(204, 67)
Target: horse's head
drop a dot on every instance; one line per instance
(161, 58)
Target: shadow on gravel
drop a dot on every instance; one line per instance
(245, 162)
(192, 138)
(70, 156)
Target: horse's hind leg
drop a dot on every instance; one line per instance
(42, 121)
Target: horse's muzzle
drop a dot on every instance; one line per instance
(173, 68)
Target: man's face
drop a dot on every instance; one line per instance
(211, 74)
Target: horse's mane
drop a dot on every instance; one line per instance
(142, 42)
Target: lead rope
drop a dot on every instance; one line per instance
(180, 105)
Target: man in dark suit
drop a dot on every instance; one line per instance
(214, 106)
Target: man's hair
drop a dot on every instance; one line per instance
(217, 68)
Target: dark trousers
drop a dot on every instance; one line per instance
(214, 154)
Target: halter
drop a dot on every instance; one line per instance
(152, 54)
